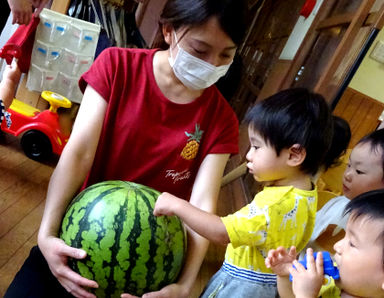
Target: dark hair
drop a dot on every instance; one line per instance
(295, 116)
(340, 141)
(376, 140)
(370, 204)
(230, 13)
(229, 83)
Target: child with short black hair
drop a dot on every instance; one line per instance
(290, 134)
(359, 257)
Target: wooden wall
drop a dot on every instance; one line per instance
(361, 112)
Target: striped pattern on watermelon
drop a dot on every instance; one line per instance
(129, 249)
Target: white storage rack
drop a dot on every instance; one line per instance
(63, 50)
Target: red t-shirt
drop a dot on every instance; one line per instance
(145, 137)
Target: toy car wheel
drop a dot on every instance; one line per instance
(36, 145)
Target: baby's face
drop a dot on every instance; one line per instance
(359, 257)
(364, 171)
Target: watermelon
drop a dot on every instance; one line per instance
(129, 250)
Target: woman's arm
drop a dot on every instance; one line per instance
(71, 170)
(204, 196)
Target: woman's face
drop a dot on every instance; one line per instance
(207, 42)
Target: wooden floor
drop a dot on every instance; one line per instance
(23, 185)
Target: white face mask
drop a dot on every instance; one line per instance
(193, 72)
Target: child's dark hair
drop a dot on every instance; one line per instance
(340, 141)
(230, 13)
(376, 140)
(371, 205)
(295, 116)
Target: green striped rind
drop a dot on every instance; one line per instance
(129, 250)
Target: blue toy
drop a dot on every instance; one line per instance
(330, 269)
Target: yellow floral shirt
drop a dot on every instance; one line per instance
(277, 216)
(330, 290)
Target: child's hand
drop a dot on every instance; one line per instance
(12, 73)
(164, 204)
(8, 84)
(307, 282)
(280, 260)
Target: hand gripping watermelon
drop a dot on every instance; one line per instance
(129, 250)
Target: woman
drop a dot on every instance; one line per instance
(152, 117)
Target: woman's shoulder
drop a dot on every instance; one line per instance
(118, 54)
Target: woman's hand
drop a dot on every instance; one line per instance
(170, 291)
(280, 260)
(56, 252)
(307, 282)
(21, 11)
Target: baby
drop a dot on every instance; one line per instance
(359, 257)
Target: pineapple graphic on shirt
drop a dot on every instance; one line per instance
(192, 147)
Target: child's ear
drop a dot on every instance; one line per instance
(296, 156)
(167, 33)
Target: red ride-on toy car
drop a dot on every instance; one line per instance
(40, 130)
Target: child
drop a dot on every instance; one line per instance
(8, 85)
(359, 257)
(290, 133)
(365, 171)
